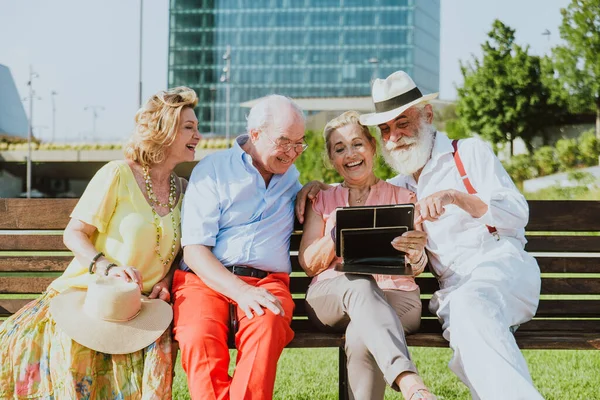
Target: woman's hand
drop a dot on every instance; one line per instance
(252, 299)
(412, 243)
(128, 274)
(161, 290)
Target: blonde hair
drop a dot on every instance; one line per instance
(156, 125)
(347, 118)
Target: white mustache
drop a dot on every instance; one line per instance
(391, 146)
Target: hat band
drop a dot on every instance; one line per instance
(398, 101)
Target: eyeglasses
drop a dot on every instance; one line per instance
(287, 146)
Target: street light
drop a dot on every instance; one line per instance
(30, 130)
(94, 110)
(375, 62)
(52, 95)
(140, 55)
(226, 77)
(213, 92)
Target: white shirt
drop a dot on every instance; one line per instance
(458, 240)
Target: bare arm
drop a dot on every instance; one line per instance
(77, 238)
(317, 248)
(201, 260)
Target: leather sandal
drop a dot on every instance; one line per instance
(418, 391)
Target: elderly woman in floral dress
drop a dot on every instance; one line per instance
(126, 225)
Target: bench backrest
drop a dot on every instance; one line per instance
(564, 236)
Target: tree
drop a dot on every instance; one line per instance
(577, 63)
(503, 96)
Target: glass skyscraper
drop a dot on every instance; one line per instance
(298, 48)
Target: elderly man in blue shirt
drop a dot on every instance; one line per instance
(238, 215)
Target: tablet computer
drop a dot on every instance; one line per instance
(364, 235)
(389, 216)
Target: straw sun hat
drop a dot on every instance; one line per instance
(392, 96)
(111, 316)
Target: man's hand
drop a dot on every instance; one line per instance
(432, 207)
(412, 243)
(308, 192)
(252, 299)
(161, 290)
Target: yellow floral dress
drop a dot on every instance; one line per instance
(38, 361)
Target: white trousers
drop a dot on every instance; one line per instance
(479, 310)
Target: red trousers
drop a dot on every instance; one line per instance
(201, 326)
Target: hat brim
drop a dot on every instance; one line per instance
(380, 118)
(110, 337)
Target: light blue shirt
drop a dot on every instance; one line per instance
(228, 207)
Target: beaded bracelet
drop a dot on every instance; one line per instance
(91, 269)
(108, 267)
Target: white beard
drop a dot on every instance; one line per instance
(409, 161)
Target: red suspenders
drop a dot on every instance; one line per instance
(470, 189)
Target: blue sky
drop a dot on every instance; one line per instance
(88, 52)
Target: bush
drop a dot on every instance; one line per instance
(589, 148)
(567, 153)
(520, 168)
(544, 160)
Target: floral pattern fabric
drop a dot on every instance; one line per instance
(38, 361)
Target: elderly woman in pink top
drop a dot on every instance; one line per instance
(375, 311)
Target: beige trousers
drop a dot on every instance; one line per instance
(374, 321)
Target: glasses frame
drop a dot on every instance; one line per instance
(288, 146)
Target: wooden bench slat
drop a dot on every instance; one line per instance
(546, 309)
(34, 263)
(572, 265)
(547, 326)
(429, 285)
(562, 215)
(574, 244)
(24, 285)
(32, 243)
(11, 306)
(35, 213)
(569, 265)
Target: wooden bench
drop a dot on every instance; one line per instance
(32, 255)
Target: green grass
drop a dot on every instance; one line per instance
(305, 374)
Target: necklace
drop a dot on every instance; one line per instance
(362, 197)
(156, 218)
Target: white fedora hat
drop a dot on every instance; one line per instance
(111, 316)
(392, 96)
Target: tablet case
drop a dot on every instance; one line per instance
(373, 217)
(369, 251)
(364, 236)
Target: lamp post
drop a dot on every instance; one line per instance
(94, 110)
(140, 54)
(375, 62)
(52, 95)
(213, 97)
(30, 130)
(225, 77)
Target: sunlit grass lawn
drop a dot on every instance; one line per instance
(312, 374)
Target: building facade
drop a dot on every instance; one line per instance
(298, 48)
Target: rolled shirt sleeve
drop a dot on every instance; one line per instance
(507, 207)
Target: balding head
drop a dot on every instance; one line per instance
(276, 130)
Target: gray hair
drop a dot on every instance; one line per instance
(262, 115)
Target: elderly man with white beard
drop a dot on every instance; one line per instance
(474, 217)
